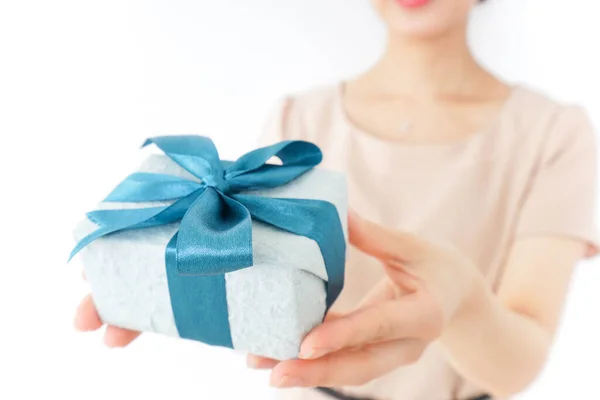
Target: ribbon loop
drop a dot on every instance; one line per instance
(251, 171)
(196, 154)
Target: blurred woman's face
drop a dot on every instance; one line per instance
(423, 18)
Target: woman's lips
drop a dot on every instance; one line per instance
(412, 3)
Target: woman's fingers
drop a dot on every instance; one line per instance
(385, 290)
(347, 367)
(332, 316)
(86, 318)
(382, 243)
(119, 337)
(258, 362)
(407, 317)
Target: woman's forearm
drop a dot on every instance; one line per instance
(494, 347)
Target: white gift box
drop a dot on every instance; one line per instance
(272, 305)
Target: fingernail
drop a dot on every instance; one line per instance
(110, 343)
(314, 352)
(252, 363)
(287, 381)
(78, 324)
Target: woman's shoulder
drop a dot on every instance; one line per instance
(546, 120)
(315, 97)
(535, 106)
(306, 114)
(314, 105)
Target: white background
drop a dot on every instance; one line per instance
(82, 83)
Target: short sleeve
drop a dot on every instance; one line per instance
(563, 195)
(275, 127)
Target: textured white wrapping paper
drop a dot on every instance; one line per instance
(272, 305)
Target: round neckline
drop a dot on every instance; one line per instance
(438, 147)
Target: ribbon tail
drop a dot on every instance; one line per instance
(145, 186)
(199, 303)
(215, 236)
(315, 219)
(98, 233)
(113, 221)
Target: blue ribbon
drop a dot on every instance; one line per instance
(215, 231)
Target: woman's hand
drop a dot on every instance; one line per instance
(87, 319)
(427, 287)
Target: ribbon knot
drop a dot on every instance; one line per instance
(215, 230)
(218, 183)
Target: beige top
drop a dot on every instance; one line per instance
(531, 172)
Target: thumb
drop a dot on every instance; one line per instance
(383, 243)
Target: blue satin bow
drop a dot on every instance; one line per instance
(215, 233)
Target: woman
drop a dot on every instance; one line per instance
(481, 197)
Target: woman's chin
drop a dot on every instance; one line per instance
(418, 30)
(423, 18)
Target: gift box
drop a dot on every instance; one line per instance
(247, 254)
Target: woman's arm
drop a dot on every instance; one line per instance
(501, 342)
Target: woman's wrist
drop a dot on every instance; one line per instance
(477, 307)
